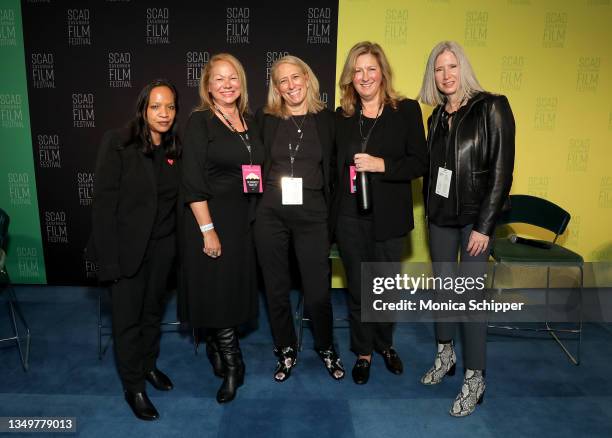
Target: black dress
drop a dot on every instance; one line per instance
(221, 292)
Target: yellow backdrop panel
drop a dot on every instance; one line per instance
(551, 58)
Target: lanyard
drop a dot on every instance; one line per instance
(444, 121)
(293, 152)
(445, 131)
(364, 140)
(244, 136)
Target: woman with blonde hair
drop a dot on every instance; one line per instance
(471, 157)
(381, 149)
(223, 156)
(298, 135)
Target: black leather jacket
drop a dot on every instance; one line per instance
(484, 158)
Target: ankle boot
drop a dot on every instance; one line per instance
(472, 394)
(212, 351)
(444, 364)
(231, 357)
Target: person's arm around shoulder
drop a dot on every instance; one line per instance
(104, 207)
(414, 162)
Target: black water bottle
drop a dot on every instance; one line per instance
(364, 199)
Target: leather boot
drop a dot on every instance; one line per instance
(141, 405)
(231, 357)
(212, 351)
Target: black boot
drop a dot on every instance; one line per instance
(231, 356)
(212, 351)
(141, 405)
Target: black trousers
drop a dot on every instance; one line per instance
(305, 225)
(445, 244)
(137, 308)
(357, 245)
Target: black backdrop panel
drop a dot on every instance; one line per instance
(87, 61)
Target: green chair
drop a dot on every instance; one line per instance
(21, 339)
(544, 214)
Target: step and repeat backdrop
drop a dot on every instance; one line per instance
(85, 63)
(72, 69)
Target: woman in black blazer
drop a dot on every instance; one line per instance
(133, 225)
(380, 134)
(298, 134)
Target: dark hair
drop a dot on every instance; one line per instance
(139, 128)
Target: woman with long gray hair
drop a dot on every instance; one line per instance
(471, 157)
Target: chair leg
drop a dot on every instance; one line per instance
(575, 359)
(102, 346)
(196, 341)
(15, 311)
(493, 277)
(99, 326)
(299, 321)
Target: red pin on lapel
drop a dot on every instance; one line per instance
(170, 161)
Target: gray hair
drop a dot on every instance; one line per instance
(468, 84)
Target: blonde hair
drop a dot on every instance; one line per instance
(468, 84)
(275, 104)
(348, 94)
(206, 101)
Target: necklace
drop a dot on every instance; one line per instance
(244, 136)
(365, 138)
(456, 107)
(299, 127)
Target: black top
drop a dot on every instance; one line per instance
(325, 131)
(308, 157)
(220, 292)
(399, 139)
(167, 192)
(442, 211)
(348, 204)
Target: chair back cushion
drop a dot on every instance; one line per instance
(536, 211)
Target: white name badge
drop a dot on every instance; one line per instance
(444, 180)
(292, 190)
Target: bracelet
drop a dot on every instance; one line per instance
(207, 227)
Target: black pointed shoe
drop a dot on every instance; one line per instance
(361, 371)
(159, 380)
(141, 405)
(392, 361)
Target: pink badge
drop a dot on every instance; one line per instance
(170, 161)
(251, 178)
(353, 179)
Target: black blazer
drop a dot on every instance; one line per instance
(124, 205)
(405, 154)
(324, 120)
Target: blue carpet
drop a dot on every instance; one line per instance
(532, 390)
